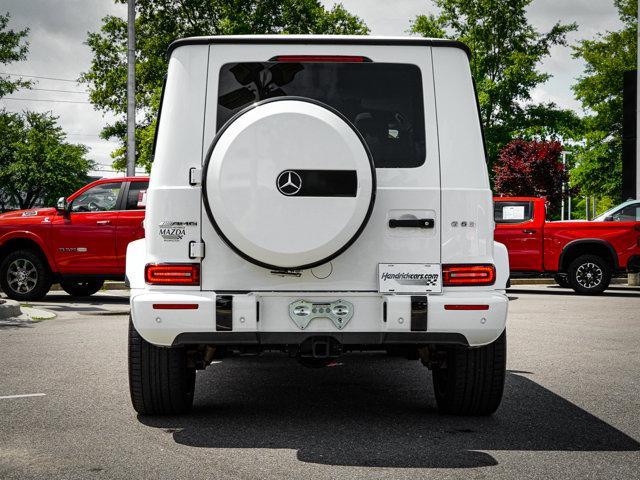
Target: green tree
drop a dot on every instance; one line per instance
(599, 159)
(36, 163)
(13, 48)
(158, 23)
(506, 51)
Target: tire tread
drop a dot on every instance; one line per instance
(474, 379)
(160, 382)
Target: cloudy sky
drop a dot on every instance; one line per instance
(58, 29)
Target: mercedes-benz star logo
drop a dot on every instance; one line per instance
(289, 183)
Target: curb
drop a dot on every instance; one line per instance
(37, 314)
(9, 309)
(550, 281)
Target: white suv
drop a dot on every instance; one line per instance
(317, 195)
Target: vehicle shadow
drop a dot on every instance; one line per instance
(12, 323)
(375, 412)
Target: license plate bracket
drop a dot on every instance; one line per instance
(302, 312)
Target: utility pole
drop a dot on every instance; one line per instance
(131, 89)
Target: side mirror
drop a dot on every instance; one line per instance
(609, 218)
(62, 206)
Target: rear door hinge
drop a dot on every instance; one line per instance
(195, 176)
(196, 250)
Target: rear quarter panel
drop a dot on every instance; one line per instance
(622, 236)
(466, 195)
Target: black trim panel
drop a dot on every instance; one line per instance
(224, 313)
(296, 338)
(318, 183)
(317, 40)
(419, 313)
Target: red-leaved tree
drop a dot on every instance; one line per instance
(531, 169)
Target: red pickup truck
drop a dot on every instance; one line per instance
(582, 255)
(79, 244)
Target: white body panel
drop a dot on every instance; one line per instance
(451, 187)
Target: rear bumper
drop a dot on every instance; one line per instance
(262, 318)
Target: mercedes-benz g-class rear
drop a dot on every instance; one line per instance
(318, 195)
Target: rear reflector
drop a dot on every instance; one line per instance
(175, 306)
(172, 273)
(320, 58)
(466, 307)
(468, 275)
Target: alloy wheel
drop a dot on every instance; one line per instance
(589, 275)
(22, 276)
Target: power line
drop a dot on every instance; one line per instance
(56, 90)
(36, 76)
(43, 100)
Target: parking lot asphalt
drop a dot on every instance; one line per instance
(571, 406)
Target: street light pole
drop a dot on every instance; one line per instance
(638, 112)
(564, 188)
(131, 89)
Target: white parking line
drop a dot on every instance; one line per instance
(23, 396)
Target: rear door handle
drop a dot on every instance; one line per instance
(412, 223)
(530, 232)
(103, 222)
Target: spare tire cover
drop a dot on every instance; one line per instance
(288, 183)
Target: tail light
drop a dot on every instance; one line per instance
(320, 58)
(172, 273)
(468, 275)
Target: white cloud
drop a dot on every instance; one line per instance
(58, 29)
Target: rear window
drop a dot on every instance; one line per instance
(383, 100)
(512, 212)
(137, 196)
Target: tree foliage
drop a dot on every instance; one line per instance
(159, 22)
(36, 163)
(506, 51)
(599, 160)
(531, 169)
(13, 48)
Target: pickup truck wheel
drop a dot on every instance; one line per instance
(561, 280)
(160, 381)
(471, 380)
(24, 275)
(589, 275)
(81, 288)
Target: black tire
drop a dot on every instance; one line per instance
(160, 381)
(589, 275)
(561, 280)
(81, 288)
(471, 381)
(25, 276)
